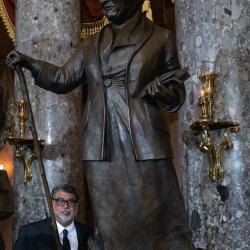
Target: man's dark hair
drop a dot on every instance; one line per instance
(65, 188)
(140, 3)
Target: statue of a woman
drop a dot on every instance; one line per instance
(130, 68)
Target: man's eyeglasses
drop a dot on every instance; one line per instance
(61, 202)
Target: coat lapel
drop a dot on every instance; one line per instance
(139, 35)
(142, 33)
(79, 236)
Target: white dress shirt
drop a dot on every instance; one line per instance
(72, 235)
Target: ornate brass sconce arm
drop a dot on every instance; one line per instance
(206, 124)
(24, 146)
(25, 153)
(205, 128)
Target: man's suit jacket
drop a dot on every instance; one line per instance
(39, 236)
(154, 55)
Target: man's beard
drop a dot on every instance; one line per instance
(66, 218)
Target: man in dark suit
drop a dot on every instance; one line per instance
(130, 69)
(73, 235)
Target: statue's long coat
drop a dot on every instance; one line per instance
(153, 55)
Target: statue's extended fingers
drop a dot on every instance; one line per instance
(157, 86)
(150, 89)
(12, 55)
(158, 81)
(9, 63)
(153, 91)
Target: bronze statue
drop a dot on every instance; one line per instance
(130, 68)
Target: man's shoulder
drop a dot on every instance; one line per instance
(36, 224)
(83, 227)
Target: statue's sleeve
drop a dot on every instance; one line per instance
(171, 77)
(63, 79)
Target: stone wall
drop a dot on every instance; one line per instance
(217, 31)
(49, 30)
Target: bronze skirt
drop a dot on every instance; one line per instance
(137, 204)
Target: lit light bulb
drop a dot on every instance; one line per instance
(1, 167)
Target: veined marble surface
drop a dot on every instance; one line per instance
(217, 31)
(49, 30)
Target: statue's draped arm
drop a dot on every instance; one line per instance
(63, 79)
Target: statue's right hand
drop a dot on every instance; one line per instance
(16, 58)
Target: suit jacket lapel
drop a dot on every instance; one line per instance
(79, 236)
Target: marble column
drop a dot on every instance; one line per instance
(49, 30)
(217, 31)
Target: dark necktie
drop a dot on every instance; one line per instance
(66, 245)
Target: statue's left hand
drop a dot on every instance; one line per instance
(157, 90)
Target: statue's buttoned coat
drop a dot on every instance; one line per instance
(154, 54)
(126, 147)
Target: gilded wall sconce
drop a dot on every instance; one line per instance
(206, 124)
(24, 146)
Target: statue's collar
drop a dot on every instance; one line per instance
(124, 33)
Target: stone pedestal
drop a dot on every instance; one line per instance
(217, 31)
(50, 31)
